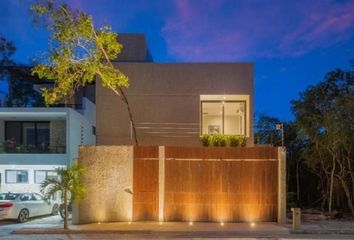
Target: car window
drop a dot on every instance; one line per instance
(38, 196)
(9, 196)
(25, 197)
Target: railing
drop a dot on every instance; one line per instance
(73, 106)
(33, 149)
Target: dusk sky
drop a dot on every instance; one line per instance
(292, 43)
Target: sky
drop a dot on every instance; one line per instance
(293, 44)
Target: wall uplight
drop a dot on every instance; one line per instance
(221, 223)
(190, 223)
(160, 223)
(252, 224)
(129, 222)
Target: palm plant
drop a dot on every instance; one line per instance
(67, 182)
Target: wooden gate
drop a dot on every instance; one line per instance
(145, 183)
(221, 184)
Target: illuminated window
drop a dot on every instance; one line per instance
(223, 117)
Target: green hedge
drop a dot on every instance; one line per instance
(220, 140)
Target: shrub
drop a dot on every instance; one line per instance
(223, 140)
(205, 139)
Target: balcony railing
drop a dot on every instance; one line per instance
(33, 149)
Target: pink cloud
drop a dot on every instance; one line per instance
(209, 30)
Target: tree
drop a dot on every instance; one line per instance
(68, 182)
(7, 49)
(325, 116)
(78, 52)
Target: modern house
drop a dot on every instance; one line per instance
(173, 104)
(170, 176)
(35, 141)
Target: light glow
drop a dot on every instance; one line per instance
(253, 224)
(129, 222)
(222, 224)
(99, 223)
(190, 223)
(160, 223)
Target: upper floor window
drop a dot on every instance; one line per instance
(16, 176)
(223, 117)
(29, 135)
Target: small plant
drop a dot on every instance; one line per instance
(220, 140)
(205, 139)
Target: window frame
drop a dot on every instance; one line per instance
(46, 175)
(223, 114)
(16, 170)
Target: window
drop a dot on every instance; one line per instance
(224, 117)
(29, 134)
(16, 176)
(41, 175)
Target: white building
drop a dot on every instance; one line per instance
(35, 141)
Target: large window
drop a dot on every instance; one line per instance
(41, 175)
(16, 176)
(224, 117)
(28, 134)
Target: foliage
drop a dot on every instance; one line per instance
(7, 49)
(325, 116)
(78, 52)
(69, 181)
(220, 140)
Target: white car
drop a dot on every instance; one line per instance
(22, 206)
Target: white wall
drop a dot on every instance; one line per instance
(79, 131)
(31, 186)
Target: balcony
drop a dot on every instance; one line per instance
(10, 147)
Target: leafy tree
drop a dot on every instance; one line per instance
(19, 77)
(68, 182)
(78, 52)
(7, 49)
(325, 116)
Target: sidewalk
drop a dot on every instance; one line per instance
(201, 229)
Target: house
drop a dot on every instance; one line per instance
(169, 176)
(175, 103)
(36, 140)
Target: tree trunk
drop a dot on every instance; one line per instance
(348, 194)
(331, 186)
(66, 210)
(125, 100)
(297, 180)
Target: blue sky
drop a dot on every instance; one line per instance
(292, 43)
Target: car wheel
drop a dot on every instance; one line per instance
(55, 209)
(23, 216)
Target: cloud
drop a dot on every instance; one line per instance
(215, 30)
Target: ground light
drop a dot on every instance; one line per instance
(129, 222)
(190, 223)
(221, 223)
(99, 223)
(252, 224)
(160, 223)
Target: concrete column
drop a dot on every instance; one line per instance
(281, 185)
(296, 218)
(161, 182)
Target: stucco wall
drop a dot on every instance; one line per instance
(165, 101)
(108, 179)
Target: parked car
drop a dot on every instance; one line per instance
(22, 206)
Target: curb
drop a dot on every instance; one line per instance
(322, 232)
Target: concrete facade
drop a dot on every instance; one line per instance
(165, 99)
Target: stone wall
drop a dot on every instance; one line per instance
(108, 182)
(57, 133)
